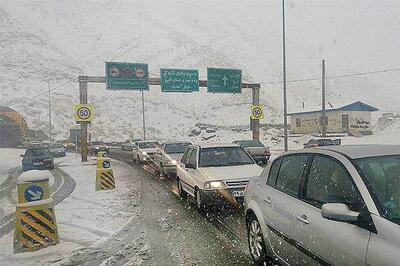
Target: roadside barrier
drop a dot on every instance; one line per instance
(35, 223)
(104, 174)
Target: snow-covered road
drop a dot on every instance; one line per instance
(141, 222)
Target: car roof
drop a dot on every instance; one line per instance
(37, 148)
(216, 145)
(361, 151)
(176, 142)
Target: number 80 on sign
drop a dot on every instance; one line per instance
(83, 112)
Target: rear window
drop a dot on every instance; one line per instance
(224, 156)
(176, 148)
(251, 143)
(148, 145)
(37, 152)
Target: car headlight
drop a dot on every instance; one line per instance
(173, 161)
(214, 185)
(107, 147)
(97, 148)
(144, 153)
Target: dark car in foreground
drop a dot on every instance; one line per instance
(39, 158)
(256, 149)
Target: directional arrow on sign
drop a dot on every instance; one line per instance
(225, 79)
(35, 196)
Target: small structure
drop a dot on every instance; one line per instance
(13, 127)
(354, 119)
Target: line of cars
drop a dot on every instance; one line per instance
(40, 156)
(325, 205)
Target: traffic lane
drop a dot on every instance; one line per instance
(222, 230)
(229, 218)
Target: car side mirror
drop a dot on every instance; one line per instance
(338, 212)
(21, 155)
(190, 166)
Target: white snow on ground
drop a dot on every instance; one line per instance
(85, 218)
(9, 158)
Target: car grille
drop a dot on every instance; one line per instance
(237, 183)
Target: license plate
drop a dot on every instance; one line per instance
(239, 193)
(37, 164)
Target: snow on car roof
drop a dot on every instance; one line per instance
(364, 151)
(216, 145)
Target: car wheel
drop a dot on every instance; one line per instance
(256, 241)
(181, 193)
(138, 159)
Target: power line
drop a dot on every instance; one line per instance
(55, 88)
(337, 76)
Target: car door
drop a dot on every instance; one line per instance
(183, 172)
(326, 241)
(281, 202)
(159, 155)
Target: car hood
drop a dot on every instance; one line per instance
(174, 156)
(232, 172)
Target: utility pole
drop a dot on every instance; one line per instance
(144, 121)
(49, 111)
(256, 122)
(285, 125)
(83, 100)
(323, 101)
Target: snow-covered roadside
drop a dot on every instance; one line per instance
(9, 158)
(87, 217)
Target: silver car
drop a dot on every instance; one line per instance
(335, 205)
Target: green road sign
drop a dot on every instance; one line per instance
(127, 76)
(223, 80)
(179, 80)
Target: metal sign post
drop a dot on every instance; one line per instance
(83, 80)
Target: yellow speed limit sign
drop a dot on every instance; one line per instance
(257, 112)
(83, 112)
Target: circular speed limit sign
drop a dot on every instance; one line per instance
(83, 113)
(257, 112)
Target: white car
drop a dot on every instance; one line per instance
(333, 205)
(215, 172)
(168, 155)
(144, 151)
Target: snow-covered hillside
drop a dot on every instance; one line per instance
(59, 40)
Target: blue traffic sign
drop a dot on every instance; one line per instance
(33, 193)
(106, 164)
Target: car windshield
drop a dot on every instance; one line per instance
(252, 143)
(37, 152)
(176, 148)
(382, 177)
(148, 145)
(224, 156)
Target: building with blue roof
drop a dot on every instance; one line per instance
(354, 119)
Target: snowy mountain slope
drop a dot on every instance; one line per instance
(65, 39)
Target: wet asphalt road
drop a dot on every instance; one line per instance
(173, 230)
